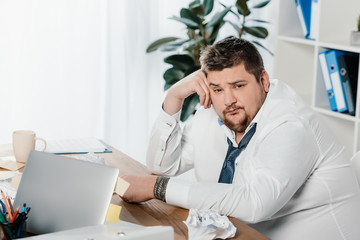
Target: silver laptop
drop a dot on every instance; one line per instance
(64, 193)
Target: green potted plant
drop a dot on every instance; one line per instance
(202, 29)
(355, 35)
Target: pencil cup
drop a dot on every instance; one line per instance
(23, 143)
(13, 230)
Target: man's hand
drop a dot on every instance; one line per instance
(140, 189)
(193, 83)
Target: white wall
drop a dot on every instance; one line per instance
(78, 68)
(52, 67)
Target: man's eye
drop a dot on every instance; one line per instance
(239, 85)
(217, 90)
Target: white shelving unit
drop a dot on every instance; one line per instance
(297, 64)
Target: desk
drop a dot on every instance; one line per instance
(154, 212)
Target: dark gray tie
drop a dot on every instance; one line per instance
(227, 172)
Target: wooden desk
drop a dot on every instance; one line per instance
(156, 212)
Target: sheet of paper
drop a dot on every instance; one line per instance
(15, 181)
(81, 145)
(113, 213)
(121, 186)
(9, 163)
(6, 182)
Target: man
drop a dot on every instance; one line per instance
(259, 153)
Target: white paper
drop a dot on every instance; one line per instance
(81, 145)
(208, 224)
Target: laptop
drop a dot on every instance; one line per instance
(64, 193)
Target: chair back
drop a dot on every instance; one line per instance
(355, 162)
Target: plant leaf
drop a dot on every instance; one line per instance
(209, 5)
(155, 45)
(191, 70)
(186, 13)
(171, 76)
(262, 4)
(218, 17)
(191, 44)
(180, 61)
(259, 44)
(214, 32)
(194, 3)
(189, 106)
(242, 7)
(259, 32)
(197, 9)
(256, 20)
(173, 46)
(236, 15)
(189, 23)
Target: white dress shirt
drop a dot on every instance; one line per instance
(293, 181)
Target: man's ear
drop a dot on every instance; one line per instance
(265, 81)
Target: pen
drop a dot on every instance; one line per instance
(23, 208)
(15, 214)
(10, 205)
(6, 228)
(6, 204)
(3, 209)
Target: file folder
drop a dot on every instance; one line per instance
(348, 66)
(327, 81)
(334, 72)
(314, 20)
(303, 8)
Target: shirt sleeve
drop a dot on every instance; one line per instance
(169, 149)
(283, 162)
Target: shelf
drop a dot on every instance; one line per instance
(297, 63)
(330, 113)
(297, 39)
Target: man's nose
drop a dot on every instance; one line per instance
(229, 98)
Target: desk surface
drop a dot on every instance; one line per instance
(155, 212)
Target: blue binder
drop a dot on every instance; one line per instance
(334, 72)
(314, 20)
(303, 8)
(327, 80)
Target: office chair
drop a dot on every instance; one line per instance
(355, 162)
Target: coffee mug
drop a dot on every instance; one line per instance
(23, 143)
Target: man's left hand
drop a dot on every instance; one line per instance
(140, 188)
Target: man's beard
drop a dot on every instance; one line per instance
(239, 126)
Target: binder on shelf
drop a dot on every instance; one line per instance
(303, 8)
(348, 66)
(314, 20)
(327, 81)
(334, 72)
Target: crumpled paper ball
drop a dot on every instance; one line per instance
(208, 224)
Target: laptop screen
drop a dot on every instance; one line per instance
(64, 193)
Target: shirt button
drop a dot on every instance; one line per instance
(237, 164)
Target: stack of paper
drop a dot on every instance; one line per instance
(72, 146)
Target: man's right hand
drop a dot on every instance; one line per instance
(193, 83)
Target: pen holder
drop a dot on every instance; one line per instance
(13, 230)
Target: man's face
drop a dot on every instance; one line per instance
(237, 96)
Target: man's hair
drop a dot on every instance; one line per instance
(231, 52)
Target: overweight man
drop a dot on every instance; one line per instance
(258, 152)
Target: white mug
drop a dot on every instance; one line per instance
(23, 143)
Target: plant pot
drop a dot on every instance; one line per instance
(355, 38)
